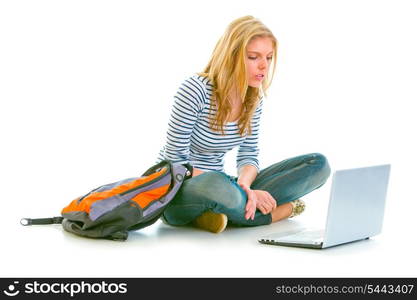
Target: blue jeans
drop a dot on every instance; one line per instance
(286, 181)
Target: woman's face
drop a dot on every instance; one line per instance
(258, 58)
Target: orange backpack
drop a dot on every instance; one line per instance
(112, 210)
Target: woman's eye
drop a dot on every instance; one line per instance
(269, 58)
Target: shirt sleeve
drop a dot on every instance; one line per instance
(187, 106)
(248, 151)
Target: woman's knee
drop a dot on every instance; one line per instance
(321, 165)
(219, 189)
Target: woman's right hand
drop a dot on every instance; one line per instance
(250, 207)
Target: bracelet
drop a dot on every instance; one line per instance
(298, 206)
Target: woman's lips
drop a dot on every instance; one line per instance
(259, 77)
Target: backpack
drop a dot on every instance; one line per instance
(112, 210)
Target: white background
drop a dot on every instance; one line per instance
(86, 89)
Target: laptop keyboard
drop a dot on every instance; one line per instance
(304, 236)
(310, 234)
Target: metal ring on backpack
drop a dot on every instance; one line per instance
(179, 177)
(25, 222)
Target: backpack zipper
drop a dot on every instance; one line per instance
(145, 185)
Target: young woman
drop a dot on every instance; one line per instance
(219, 109)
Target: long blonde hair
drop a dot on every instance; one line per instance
(227, 70)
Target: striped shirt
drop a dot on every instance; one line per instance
(190, 138)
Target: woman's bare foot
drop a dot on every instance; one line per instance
(288, 210)
(281, 212)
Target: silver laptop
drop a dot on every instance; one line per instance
(356, 210)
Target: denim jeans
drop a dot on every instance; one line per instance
(286, 181)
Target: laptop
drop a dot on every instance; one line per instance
(355, 212)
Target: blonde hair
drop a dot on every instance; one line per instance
(227, 70)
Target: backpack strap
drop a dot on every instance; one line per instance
(190, 169)
(165, 162)
(41, 221)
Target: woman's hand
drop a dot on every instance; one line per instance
(258, 199)
(250, 208)
(266, 203)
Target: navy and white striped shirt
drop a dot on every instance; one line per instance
(190, 139)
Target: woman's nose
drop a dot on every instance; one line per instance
(262, 64)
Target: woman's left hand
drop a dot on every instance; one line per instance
(258, 199)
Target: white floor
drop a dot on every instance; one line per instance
(83, 104)
(161, 250)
